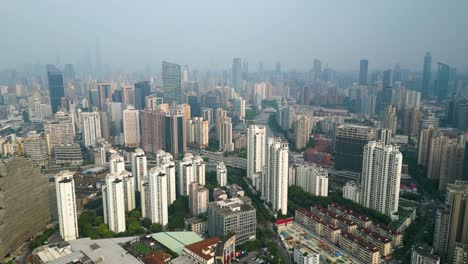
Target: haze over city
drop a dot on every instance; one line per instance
(222, 132)
(207, 34)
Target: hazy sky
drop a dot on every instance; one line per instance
(133, 34)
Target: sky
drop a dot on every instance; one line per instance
(207, 34)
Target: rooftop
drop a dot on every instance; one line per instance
(204, 248)
(176, 241)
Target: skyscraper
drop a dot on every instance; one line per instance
(139, 167)
(349, 145)
(451, 224)
(131, 127)
(176, 136)
(387, 79)
(390, 118)
(105, 93)
(114, 203)
(317, 69)
(66, 205)
(256, 141)
(278, 74)
(156, 196)
(363, 69)
(380, 180)
(237, 74)
(426, 78)
(142, 89)
(311, 178)
(56, 90)
(442, 82)
(275, 180)
(90, 127)
(171, 82)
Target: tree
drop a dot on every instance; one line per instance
(99, 220)
(146, 222)
(102, 229)
(156, 228)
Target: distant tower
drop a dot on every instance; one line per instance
(237, 74)
(363, 69)
(142, 89)
(426, 78)
(56, 90)
(171, 82)
(66, 205)
(185, 74)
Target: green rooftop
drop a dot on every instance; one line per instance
(176, 241)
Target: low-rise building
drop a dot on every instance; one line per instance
(202, 252)
(233, 215)
(423, 254)
(359, 248)
(306, 255)
(197, 225)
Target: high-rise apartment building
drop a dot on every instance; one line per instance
(275, 180)
(171, 82)
(139, 167)
(90, 127)
(311, 178)
(56, 90)
(256, 147)
(114, 203)
(451, 224)
(128, 95)
(237, 75)
(131, 127)
(198, 199)
(152, 127)
(351, 191)
(349, 145)
(142, 89)
(451, 164)
(380, 179)
(302, 127)
(66, 205)
(185, 175)
(116, 163)
(435, 156)
(166, 162)
(424, 146)
(225, 135)
(363, 69)
(390, 118)
(221, 174)
(156, 196)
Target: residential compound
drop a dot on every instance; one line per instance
(354, 233)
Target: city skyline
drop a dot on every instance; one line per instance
(293, 35)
